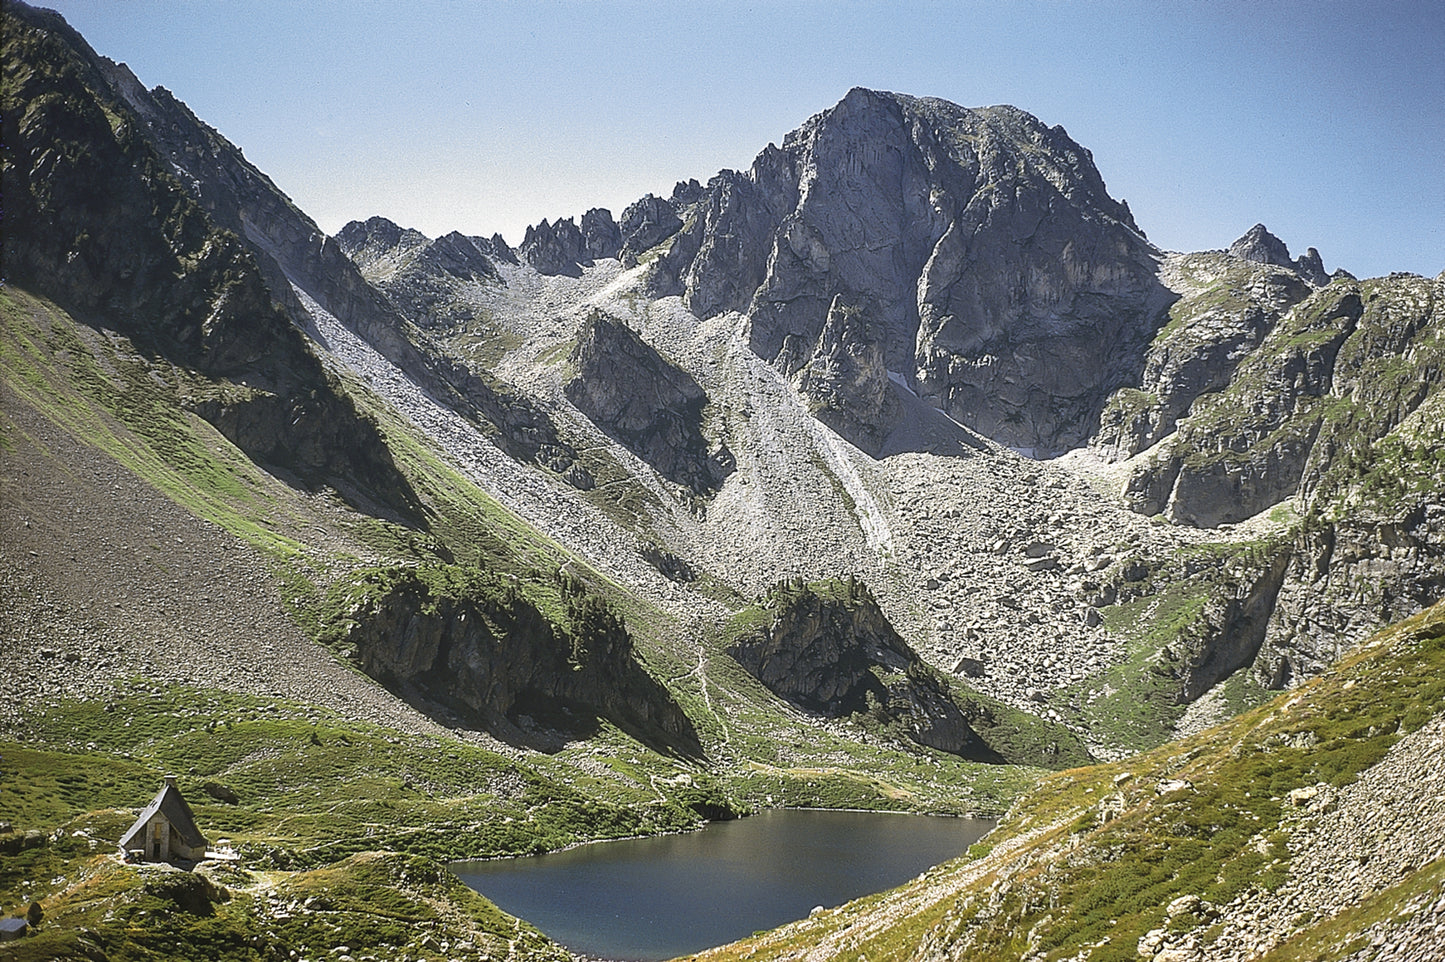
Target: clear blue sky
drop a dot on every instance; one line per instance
(1324, 120)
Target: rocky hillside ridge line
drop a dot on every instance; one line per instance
(1332, 416)
(1253, 364)
(97, 223)
(567, 248)
(1262, 247)
(936, 217)
(415, 272)
(292, 252)
(1226, 306)
(919, 241)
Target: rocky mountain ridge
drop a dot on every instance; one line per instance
(835, 321)
(97, 222)
(1221, 316)
(981, 244)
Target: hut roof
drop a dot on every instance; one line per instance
(170, 803)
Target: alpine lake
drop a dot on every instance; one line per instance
(648, 899)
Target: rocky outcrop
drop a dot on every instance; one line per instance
(1225, 308)
(646, 402)
(828, 649)
(1347, 578)
(601, 236)
(1229, 630)
(647, 223)
(564, 248)
(554, 248)
(1001, 279)
(1337, 373)
(1372, 548)
(845, 379)
(1262, 247)
(719, 259)
(1209, 617)
(685, 193)
(463, 641)
(419, 275)
(99, 220)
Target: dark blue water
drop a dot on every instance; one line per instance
(657, 898)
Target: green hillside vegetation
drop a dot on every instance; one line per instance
(312, 801)
(1169, 620)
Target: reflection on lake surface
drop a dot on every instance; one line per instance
(656, 898)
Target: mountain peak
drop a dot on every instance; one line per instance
(1262, 247)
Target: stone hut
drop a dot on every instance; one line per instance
(166, 830)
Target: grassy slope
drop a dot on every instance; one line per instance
(1053, 881)
(315, 797)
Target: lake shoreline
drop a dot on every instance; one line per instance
(662, 896)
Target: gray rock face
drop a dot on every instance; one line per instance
(1230, 631)
(554, 248)
(647, 223)
(600, 234)
(564, 248)
(417, 274)
(643, 400)
(685, 193)
(1262, 247)
(1312, 268)
(845, 378)
(834, 653)
(720, 261)
(1317, 385)
(1348, 578)
(1227, 308)
(1000, 277)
